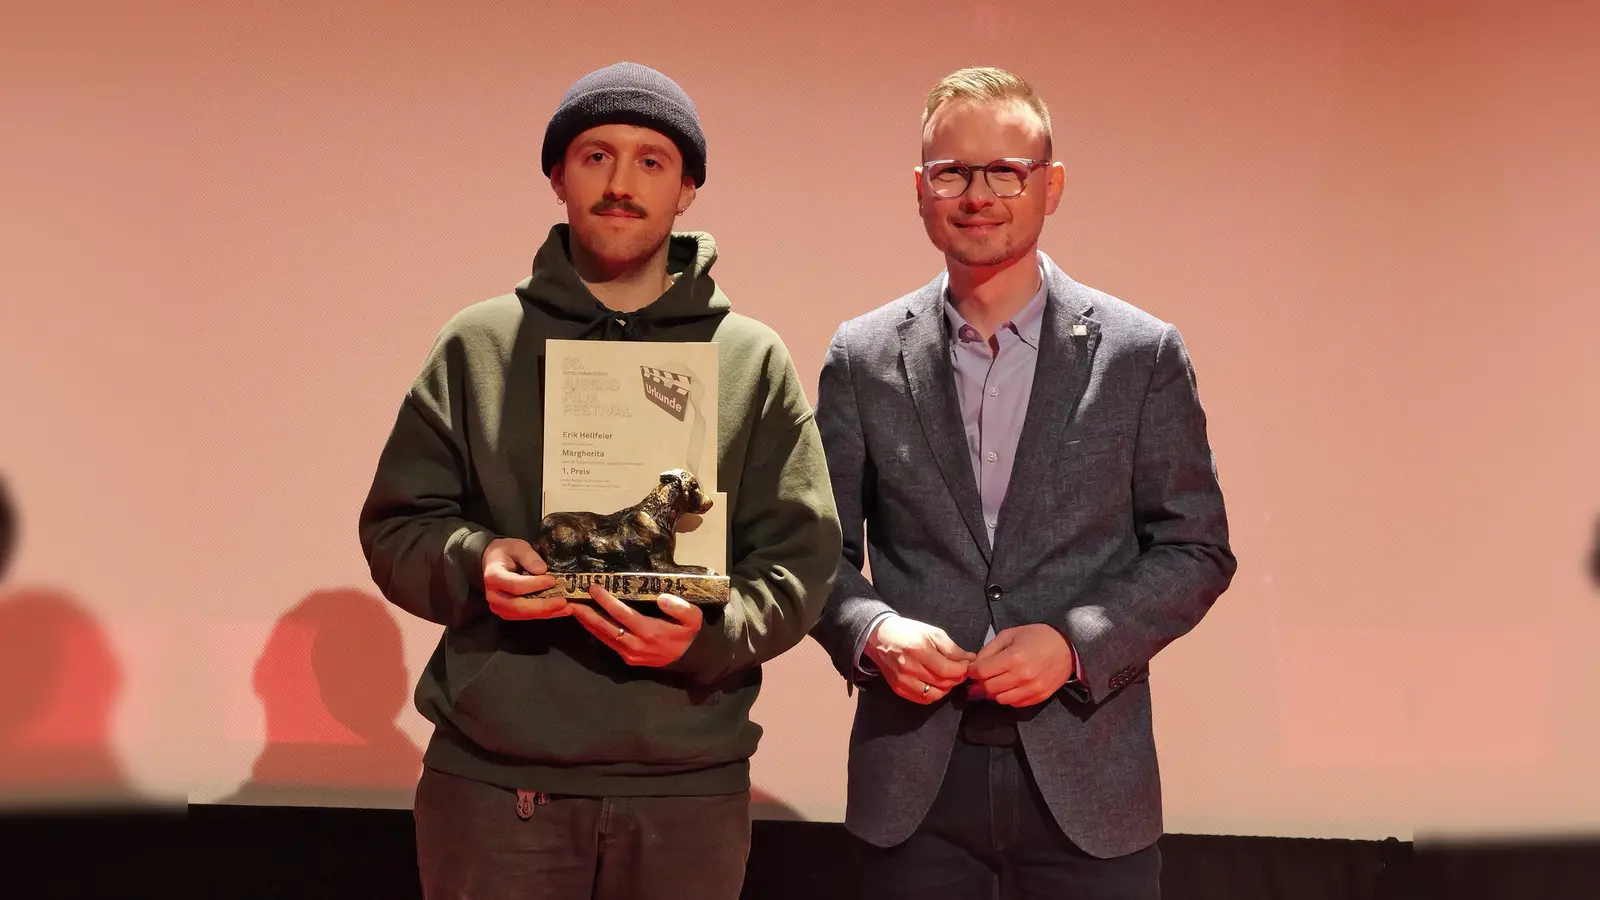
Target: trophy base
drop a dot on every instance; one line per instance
(642, 587)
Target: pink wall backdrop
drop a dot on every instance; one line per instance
(229, 234)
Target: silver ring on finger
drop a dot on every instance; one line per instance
(621, 631)
(925, 687)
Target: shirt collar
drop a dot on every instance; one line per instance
(1025, 323)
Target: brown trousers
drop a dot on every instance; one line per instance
(476, 841)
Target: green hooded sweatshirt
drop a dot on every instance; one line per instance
(542, 705)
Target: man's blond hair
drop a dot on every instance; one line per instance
(986, 84)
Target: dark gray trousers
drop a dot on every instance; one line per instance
(476, 841)
(990, 835)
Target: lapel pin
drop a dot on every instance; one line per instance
(1080, 330)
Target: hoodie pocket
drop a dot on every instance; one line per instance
(462, 697)
(472, 656)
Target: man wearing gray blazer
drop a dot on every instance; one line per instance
(1030, 462)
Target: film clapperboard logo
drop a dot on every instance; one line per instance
(668, 390)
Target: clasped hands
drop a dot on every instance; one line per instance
(1021, 666)
(513, 570)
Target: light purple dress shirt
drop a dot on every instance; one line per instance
(994, 387)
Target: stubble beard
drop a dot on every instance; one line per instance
(622, 253)
(982, 253)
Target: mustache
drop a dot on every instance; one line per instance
(618, 203)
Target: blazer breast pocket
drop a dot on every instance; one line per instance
(1098, 452)
(1097, 434)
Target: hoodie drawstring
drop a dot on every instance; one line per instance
(619, 326)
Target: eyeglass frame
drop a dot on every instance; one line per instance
(1030, 164)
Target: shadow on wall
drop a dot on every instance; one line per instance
(766, 806)
(332, 680)
(59, 683)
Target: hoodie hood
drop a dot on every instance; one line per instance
(555, 289)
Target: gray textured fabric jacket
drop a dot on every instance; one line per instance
(1112, 530)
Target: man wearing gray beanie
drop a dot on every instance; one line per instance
(595, 751)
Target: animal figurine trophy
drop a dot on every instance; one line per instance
(630, 552)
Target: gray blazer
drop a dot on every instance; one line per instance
(1112, 530)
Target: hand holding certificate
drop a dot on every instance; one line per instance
(630, 500)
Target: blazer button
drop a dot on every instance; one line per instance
(994, 593)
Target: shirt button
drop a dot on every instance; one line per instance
(993, 456)
(994, 392)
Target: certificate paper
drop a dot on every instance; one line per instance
(620, 413)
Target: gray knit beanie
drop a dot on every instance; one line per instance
(630, 94)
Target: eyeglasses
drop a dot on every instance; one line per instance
(1007, 178)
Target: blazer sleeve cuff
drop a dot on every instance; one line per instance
(864, 667)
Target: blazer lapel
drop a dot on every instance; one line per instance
(925, 351)
(1067, 342)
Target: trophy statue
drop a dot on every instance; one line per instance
(630, 552)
